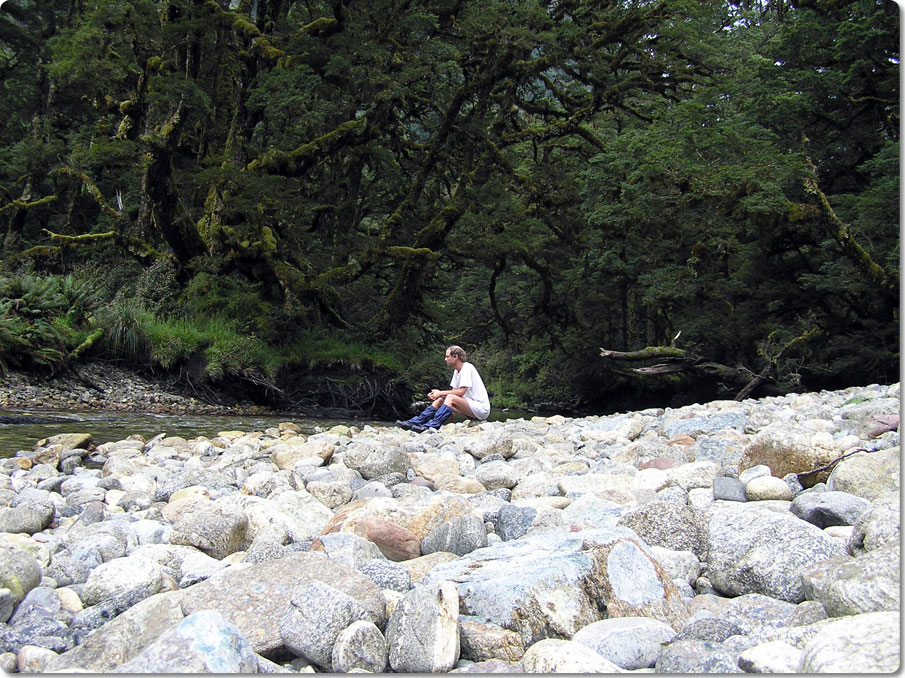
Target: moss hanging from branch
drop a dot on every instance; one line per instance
(298, 161)
(138, 248)
(92, 189)
(841, 233)
(23, 204)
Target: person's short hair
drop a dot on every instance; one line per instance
(457, 352)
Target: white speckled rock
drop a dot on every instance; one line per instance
(565, 656)
(423, 632)
(775, 656)
(121, 575)
(628, 642)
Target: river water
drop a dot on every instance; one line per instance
(21, 429)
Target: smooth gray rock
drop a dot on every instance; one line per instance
(8, 662)
(19, 572)
(67, 570)
(423, 632)
(460, 536)
(481, 447)
(7, 604)
(591, 511)
(371, 490)
(39, 602)
(754, 612)
(709, 424)
(26, 518)
(110, 543)
(749, 474)
(203, 642)
(878, 526)
(216, 529)
(756, 550)
(97, 615)
(629, 642)
(496, 474)
(726, 453)
(349, 548)
(729, 489)
(360, 646)
(681, 566)
(213, 480)
(119, 576)
(373, 459)
(332, 493)
(710, 628)
(854, 585)
(825, 509)
(673, 494)
(316, 615)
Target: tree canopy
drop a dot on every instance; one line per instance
(532, 180)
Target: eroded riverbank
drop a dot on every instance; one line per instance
(114, 389)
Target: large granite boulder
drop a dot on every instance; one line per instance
(752, 549)
(317, 613)
(423, 631)
(864, 643)
(878, 526)
(785, 449)
(255, 597)
(215, 528)
(846, 586)
(867, 474)
(550, 585)
(203, 642)
(122, 638)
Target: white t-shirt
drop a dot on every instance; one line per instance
(475, 393)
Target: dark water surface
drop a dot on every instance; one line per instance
(21, 429)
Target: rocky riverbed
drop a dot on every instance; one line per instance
(694, 539)
(100, 386)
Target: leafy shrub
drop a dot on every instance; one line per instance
(209, 295)
(42, 319)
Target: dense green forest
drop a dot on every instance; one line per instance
(306, 201)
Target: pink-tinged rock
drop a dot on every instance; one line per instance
(661, 463)
(395, 542)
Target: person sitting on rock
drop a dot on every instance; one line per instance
(467, 396)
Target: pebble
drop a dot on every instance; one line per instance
(680, 540)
